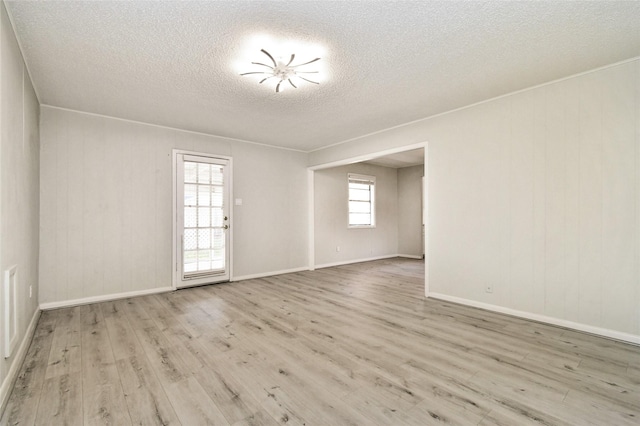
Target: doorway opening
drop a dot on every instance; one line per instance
(324, 251)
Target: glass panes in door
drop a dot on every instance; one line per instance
(204, 219)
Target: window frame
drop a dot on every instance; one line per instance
(372, 201)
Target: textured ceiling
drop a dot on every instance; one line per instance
(386, 63)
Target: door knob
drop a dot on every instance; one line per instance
(225, 227)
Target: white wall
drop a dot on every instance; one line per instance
(106, 208)
(538, 195)
(331, 217)
(410, 210)
(19, 199)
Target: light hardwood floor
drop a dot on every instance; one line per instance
(350, 345)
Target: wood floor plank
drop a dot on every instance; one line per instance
(61, 400)
(147, 401)
(23, 402)
(633, 372)
(164, 358)
(165, 320)
(599, 411)
(435, 384)
(124, 341)
(65, 356)
(139, 318)
(438, 410)
(231, 397)
(356, 344)
(508, 416)
(102, 394)
(259, 418)
(259, 383)
(192, 404)
(379, 407)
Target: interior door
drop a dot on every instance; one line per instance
(202, 218)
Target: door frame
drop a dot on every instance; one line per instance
(176, 256)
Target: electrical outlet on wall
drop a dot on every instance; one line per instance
(30, 292)
(337, 248)
(488, 289)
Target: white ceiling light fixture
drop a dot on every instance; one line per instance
(283, 72)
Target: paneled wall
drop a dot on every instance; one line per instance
(536, 195)
(19, 199)
(410, 210)
(106, 205)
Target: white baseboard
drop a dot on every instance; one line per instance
(269, 274)
(411, 256)
(604, 332)
(103, 298)
(18, 359)
(348, 262)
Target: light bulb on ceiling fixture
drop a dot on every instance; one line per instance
(283, 72)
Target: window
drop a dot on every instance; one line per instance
(361, 201)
